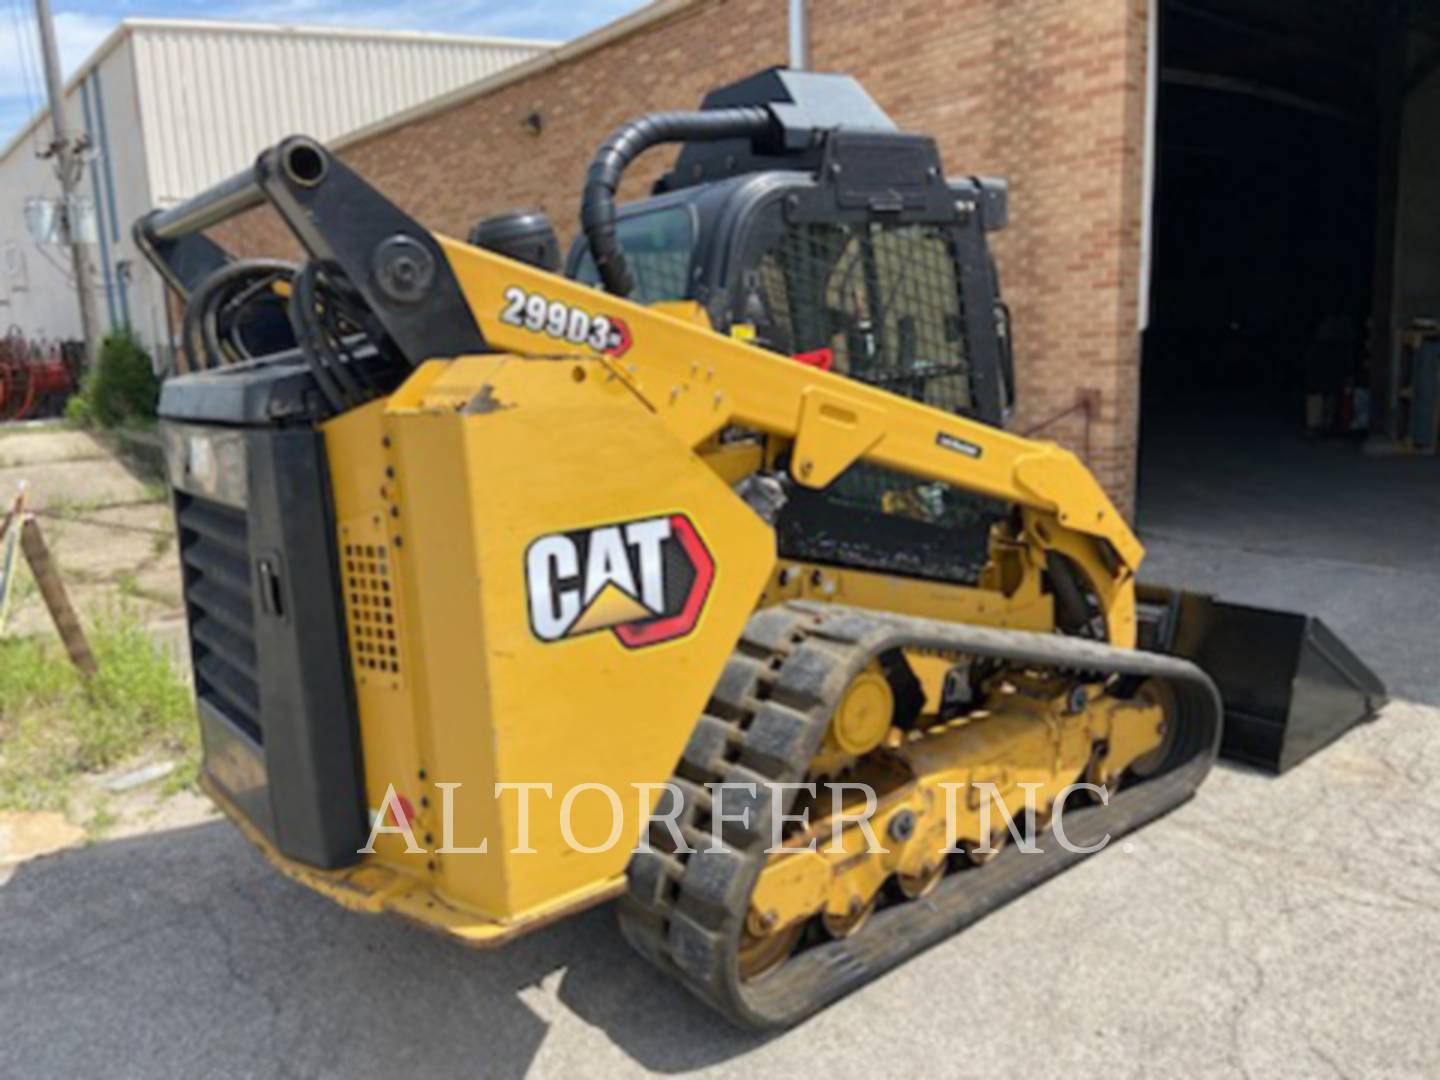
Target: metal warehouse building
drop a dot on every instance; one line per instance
(1223, 212)
(169, 107)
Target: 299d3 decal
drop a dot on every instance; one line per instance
(565, 322)
(645, 581)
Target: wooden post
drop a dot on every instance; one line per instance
(52, 589)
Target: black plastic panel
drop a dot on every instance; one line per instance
(306, 700)
(272, 670)
(276, 391)
(802, 102)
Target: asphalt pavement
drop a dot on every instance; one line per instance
(1270, 928)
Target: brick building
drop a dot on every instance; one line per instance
(1059, 96)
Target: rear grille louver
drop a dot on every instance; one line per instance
(214, 551)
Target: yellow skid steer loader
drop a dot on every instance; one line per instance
(702, 574)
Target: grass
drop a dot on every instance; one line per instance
(102, 820)
(129, 585)
(55, 725)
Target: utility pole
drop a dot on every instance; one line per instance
(70, 168)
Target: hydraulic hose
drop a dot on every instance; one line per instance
(624, 145)
(201, 309)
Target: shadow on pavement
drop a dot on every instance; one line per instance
(182, 954)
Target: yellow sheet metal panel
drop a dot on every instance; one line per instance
(364, 496)
(573, 579)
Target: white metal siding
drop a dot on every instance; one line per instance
(185, 105)
(142, 293)
(39, 300)
(212, 99)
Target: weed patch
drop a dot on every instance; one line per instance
(56, 725)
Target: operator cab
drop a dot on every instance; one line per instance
(843, 251)
(841, 241)
(877, 300)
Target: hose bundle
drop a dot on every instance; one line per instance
(331, 322)
(255, 309)
(227, 312)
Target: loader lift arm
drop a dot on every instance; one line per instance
(700, 384)
(438, 298)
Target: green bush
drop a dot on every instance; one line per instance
(121, 389)
(78, 409)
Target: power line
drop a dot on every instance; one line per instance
(29, 69)
(29, 79)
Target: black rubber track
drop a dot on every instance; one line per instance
(764, 724)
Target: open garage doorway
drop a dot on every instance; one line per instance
(1265, 211)
(1290, 389)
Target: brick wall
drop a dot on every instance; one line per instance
(1049, 93)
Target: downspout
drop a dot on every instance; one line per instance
(799, 35)
(105, 270)
(1152, 139)
(108, 169)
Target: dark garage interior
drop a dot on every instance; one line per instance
(1295, 269)
(1291, 363)
(1265, 212)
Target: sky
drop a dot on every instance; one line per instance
(81, 25)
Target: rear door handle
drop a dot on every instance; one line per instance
(272, 595)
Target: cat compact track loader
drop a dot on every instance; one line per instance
(512, 592)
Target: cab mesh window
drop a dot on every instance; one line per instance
(658, 245)
(884, 298)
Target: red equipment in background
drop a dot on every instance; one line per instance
(35, 378)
